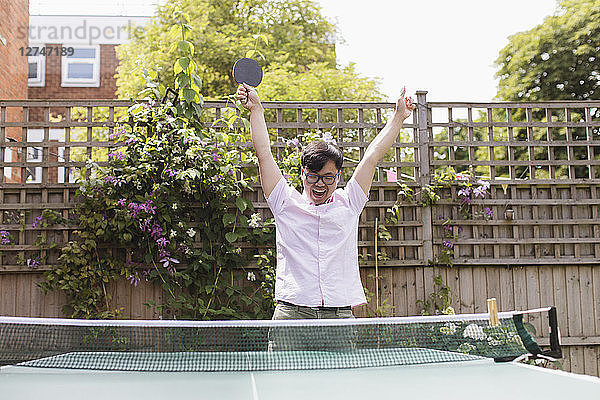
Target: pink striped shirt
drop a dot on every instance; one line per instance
(317, 247)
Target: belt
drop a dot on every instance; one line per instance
(344, 308)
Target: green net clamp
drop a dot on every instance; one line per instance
(535, 352)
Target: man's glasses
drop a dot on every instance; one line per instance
(314, 178)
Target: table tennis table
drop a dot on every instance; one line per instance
(478, 378)
(437, 357)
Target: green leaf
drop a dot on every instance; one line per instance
(250, 53)
(185, 47)
(241, 204)
(231, 237)
(197, 81)
(189, 95)
(182, 81)
(184, 62)
(264, 38)
(228, 219)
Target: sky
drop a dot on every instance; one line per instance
(446, 48)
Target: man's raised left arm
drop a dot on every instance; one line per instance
(364, 172)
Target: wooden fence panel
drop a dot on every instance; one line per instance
(541, 246)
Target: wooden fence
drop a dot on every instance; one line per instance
(541, 245)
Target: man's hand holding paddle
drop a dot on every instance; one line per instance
(247, 95)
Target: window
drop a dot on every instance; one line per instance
(37, 69)
(34, 154)
(8, 157)
(82, 68)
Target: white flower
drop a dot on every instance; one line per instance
(328, 138)
(173, 233)
(251, 276)
(254, 221)
(474, 331)
(174, 206)
(448, 329)
(466, 348)
(180, 224)
(191, 232)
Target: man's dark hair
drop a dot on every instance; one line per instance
(316, 154)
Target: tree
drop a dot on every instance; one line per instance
(556, 60)
(286, 36)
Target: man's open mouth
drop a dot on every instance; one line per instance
(319, 194)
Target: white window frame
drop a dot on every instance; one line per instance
(8, 157)
(40, 81)
(81, 82)
(37, 135)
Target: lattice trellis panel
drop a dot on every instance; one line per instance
(542, 159)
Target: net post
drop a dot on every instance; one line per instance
(493, 311)
(555, 348)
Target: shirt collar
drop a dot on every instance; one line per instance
(329, 200)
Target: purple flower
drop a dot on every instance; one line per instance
(447, 244)
(4, 237)
(117, 133)
(33, 263)
(168, 262)
(479, 192)
(464, 192)
(162, 253)
(162, 242)
(448, 228)
(466, 200)
(171, 172)
(156, 232)
(489, 212)
(116, 155)
(114, 180)
(215, 156)
(148, 207)
(134, 279)
(130, 140)
(229, 173)
(37, 221)
(287, 177)
(121, 202)
(485, 185)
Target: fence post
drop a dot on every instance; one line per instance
(424, 172)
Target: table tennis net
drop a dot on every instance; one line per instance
(261, 345)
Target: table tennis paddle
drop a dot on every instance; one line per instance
(248, 71)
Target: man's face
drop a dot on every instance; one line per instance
(319, 192)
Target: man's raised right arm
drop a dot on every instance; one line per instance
(270, 174)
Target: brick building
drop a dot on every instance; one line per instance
(56, 57)
(86, 63)
(13, 74)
